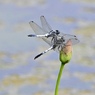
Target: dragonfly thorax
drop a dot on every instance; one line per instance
(58, 40)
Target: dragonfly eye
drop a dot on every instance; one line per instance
(57, 32)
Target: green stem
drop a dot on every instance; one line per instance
(58, 79)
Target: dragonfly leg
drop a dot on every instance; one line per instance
(44, 52)
(59, 48)
(52, 39)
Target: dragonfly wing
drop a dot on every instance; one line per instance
(38, 30)
(47, 40)
(74, 41)
(72, 37)
(45, 25)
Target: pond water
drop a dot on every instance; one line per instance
(20, 74)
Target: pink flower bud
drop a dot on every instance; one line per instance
(66, 52)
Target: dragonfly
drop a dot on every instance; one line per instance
(56, 39)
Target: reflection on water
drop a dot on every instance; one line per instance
(20, 74)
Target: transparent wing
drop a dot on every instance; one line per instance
(38, 30)
(72, 37)
(73, 40)
(45, 25)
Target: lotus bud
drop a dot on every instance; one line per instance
(66, 52)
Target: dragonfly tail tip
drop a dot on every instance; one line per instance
(38, 55)
(31, 35)
(34, 58)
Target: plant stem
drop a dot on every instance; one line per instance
(58, 79)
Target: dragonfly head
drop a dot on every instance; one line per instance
(57, 32)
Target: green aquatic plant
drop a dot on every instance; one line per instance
(65, 57)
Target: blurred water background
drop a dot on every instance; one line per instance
(20, 74)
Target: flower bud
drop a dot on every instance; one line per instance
(66, 52)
